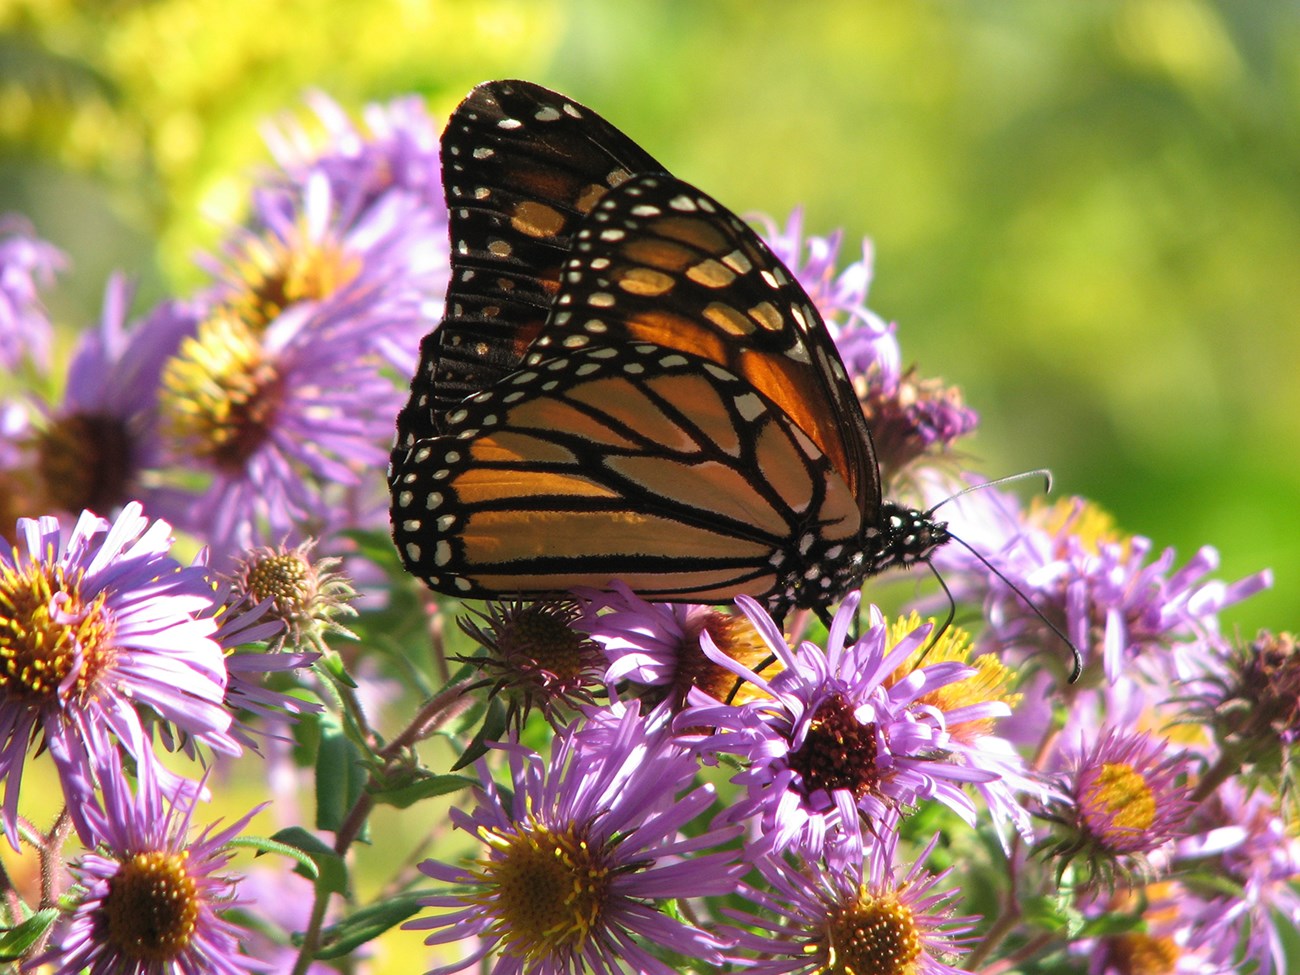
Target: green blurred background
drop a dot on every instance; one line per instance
(1085, 214)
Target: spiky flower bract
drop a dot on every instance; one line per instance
(536, 657)
(305, 592)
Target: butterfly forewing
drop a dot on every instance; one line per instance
(631, 462)
(659, 261)
(521, 166)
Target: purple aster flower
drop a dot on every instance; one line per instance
(26, 264)
(96, 627)
(154, 898)
(1160, 944)
(657, 645)
(972, 707)
(309, 246)
(1127, 797)
(364, 209)
(833, 743)
(94, 449)
(1099, 586)
(840, 296)
(283, 421)
(1250, 845)
(858, 916)
(397, 148)
(578, 853)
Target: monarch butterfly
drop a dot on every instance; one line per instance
(626, 384)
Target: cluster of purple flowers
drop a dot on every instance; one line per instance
(660, 788)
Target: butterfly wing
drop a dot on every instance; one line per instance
(522, 166)
(636, 462)
(659, 261)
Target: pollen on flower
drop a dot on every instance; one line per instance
(545, 889)
(220, 394)
(736, 637)
(1116, 802)
(878, 934)
(46, 630)
(152, 907)
(991, 682)
(271, 274)
(1087, 523)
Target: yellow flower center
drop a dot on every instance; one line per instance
(1118, 802)
(875, 936)
(274, 275)
(48, 631)
(1089, 524)
(1145, 954)
(546, 890)
(220, 395)
(152, 907)
(991, 682)
(287, 578)
(736, 637)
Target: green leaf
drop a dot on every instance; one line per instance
(1046, 912)
(264, 844)
(1111, 925)
(340, 775)
(334, 666)
(367, 924)
(16, 941)
(409, 793)
(492, 729)
(331, 871)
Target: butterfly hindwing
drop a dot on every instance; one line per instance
(633, 462)
(659, 261)
(522, 166)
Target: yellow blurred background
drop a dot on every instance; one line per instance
(1086, 215)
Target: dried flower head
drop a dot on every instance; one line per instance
(537, 657)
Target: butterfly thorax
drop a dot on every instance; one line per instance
(819, 571)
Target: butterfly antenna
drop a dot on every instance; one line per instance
(1042, 472)
(939, 631)
(1078, 657)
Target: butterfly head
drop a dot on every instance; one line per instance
(901, 537)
